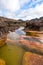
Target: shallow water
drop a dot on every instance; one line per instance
(12, 54)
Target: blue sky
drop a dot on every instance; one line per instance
(21, 9)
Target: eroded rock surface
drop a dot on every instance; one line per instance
(32, 59)
(35, 24)
(2, 62)
(3, 29)
(32, 44)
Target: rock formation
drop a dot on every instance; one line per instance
(12, 24)
(2, 62)
(32, 59)
(3, 28)
(35, 24)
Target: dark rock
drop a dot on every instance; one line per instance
(35, 24)
(3, 29)
(7, 24)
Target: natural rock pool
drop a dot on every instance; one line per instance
(12, 54)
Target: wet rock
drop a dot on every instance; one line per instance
(32, 44)
(2, 62)
(32, 59)
(3, 40)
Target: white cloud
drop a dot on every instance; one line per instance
(22, 2)
(14, 5)
(0, 13)
(11, 5)
(31, 13)
(32, 2)
(9, 15)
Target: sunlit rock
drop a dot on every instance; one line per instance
(2, 62)
(33, 44)
(32, 59)
(3, 40)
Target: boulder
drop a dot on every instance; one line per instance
(32, 59)
(33, 44)
(2, 62)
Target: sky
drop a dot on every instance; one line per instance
(21, 9)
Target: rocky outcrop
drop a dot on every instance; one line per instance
(3, 29)
(31, 43)
(12, 24)
(7, 25)
(35, 24)
(2, 62)
(32, 59)
(3, 33)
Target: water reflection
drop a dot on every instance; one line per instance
(16, 35)
(20, 31)
(13, 36)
